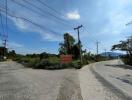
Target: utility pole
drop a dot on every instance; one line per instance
(79, 41)
(97, 47)
(130, 42)
(4, 49)
(105, 52)
(4, 43)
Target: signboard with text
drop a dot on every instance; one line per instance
(65, 58)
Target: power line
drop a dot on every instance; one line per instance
(88, 32)
(2, 26)
(6, 17)
(50, 7)
(20, 4)
(42, 14)
(29, 21)
(59, 13)
(42, 10)
(6, 34)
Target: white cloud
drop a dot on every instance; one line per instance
(14, 45)
(20, 23)
(25, 26)
(73, 15)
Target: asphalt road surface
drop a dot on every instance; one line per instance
(98, 81)
(19, 83)
(118, 75)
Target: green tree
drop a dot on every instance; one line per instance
(44, 55)
(66, 47)
(75, 51)
(69, 46)
(125, 46)
(11, 54)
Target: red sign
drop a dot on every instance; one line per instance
(66, 58)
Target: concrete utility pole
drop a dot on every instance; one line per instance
(79, 41)
(130, 42)
(97, 45)
(105, 52)
(4, 43)
(4, 50)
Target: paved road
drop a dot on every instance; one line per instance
(118, 75)
(92, 88)
(19, 83)
(92, 82)
(105, 80)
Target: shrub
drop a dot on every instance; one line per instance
(85, 62)
(32, 62)
(49, 63)
(127, 60)
(46, 64)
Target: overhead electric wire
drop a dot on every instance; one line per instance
(20, 4)
(29, 21)
(43, 3)
(87, 32)
(59, 13)
(40, 13)
(44, 11)
(2, 26)
(6, 18)
(2, 34)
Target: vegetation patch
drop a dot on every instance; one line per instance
(126, 46)
(52, 61)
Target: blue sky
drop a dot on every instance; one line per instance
(104, 21)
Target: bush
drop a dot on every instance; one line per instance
(127, 60)
(46, 64)
(85, 62)
(74, 64)
(49, 63)
(32, 62)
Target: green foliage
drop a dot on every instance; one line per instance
(32, 62)
(100, 58)
(88, 56)
(66, 47)
(54, 59)
(44, 55)
(125, 46)
(43, 64)
(69, 46)
(75, 51)
(54, 63)
(73, 64)
(127, 60)
(51, 63)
